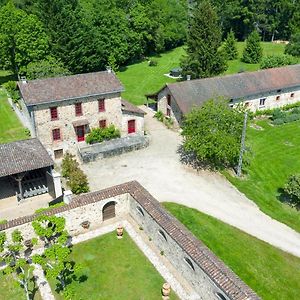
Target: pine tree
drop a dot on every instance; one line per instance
(230, 47)
(252, 53)
(204, 39)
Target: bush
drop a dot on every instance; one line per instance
(98, 135)
(292, 118)
(278, 121)
(293, 47)
(68, 165)
(27, 132)
(274, 61)
(153, 63)
(159, 116)
(44, 209)
(78, 182)
(292, 188)
(11, 88)
(277, 114)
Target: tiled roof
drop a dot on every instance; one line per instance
(127, 106)
(217, 271)
(22, 156)
(69, 87)
(195, 92)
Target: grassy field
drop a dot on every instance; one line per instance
(10, 127)
(115, 269)
(270, 272)
(10, 290)
(274, 156)
(140, 79)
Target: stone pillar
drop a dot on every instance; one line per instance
(57, 183)
(67, 196)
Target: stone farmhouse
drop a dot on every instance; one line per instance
(259, 90)
(62, 110)
(196, 272)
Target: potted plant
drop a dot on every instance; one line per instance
(166, 289)
(120, 230)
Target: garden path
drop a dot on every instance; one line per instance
(160, 171)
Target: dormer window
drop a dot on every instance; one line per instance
(101, 105)
(78, 109)
(53, 113)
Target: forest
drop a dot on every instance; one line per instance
(74, 36)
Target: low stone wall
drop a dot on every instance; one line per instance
(209, 276)
(114, 147)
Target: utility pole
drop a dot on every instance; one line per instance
(239, 168)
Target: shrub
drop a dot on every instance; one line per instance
(292, 188)
(292, 118)
(68, 165)
(293, 47)
(44, 209)
(153, 63)
(78, 182)
(278, 121)
(98, 135)
(27, 132)
(274, 61)
(11, 87)
(277, 114)
(159, 116)
(3, 222)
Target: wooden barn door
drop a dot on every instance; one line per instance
(109, 211)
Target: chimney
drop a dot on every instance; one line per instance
(23, 80)
(108, 68)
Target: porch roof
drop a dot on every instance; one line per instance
(23, 156)
(80, 122)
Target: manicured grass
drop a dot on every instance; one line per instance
(10, 290)
(115, 269)
(270, 272)
(275, 156)
(140, 79)
(10, 127)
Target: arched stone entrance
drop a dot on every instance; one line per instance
(109, 210)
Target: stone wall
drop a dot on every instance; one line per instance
(198, 265)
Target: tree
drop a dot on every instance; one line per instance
(49, 67)
(292, 188)
(16, 262)
(55, 259)
(230, 47)
(274, 61)
(203, 41)
(293, 47)
(252, 53)
(213, 133)
(22, 39)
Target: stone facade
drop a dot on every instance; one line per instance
(209, 277)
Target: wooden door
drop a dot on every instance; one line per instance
(131, 126)
(80, 133)
(109, 211)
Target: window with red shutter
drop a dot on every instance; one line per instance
(78, 109)
(101, 105)
(102, 123)
(56, 134)
(53, 113)
(169, 100)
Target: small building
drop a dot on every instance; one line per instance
(26, 170)
(63, 110)
(265, 89)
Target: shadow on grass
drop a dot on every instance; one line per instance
(34, 289)
(283, 197)
(6, 78)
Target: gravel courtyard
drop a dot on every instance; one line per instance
(159, 170)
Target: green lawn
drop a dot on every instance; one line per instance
(115, 270)
(140, 79)
(10, 290)
(270, 272)
(275, 155)
(10, 127)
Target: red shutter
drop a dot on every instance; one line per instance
(56, 134)
(101, 105)
(78, 109)
(53, 113)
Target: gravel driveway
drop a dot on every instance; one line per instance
(159, 170)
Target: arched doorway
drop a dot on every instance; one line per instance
(109, 210)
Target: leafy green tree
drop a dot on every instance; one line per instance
(17, 264)
(292, 188)
(274, 61)
(293, 47)
(22, 39)
(252, 53)
(230, 46)
(55, 259)
(78, 182)
(204, 39)
(49, 67)
(213, 133)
